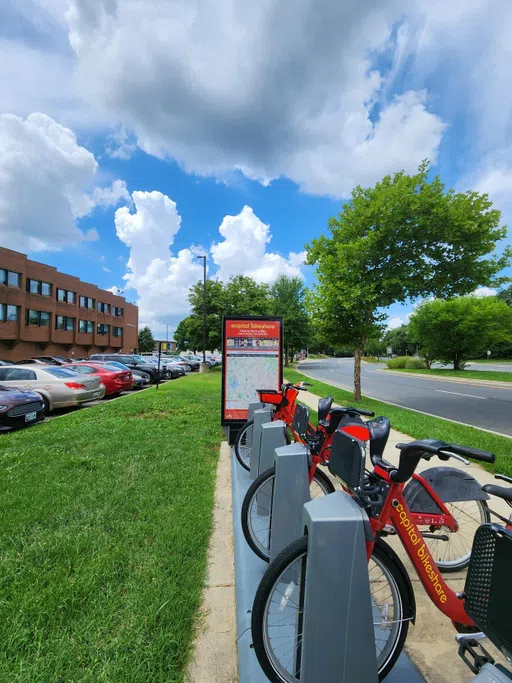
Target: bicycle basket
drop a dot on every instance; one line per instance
(347, 459)
(300, 421)
(270, 396)
(488, 584)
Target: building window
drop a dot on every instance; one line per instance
(8, 313)
(103, 308)
(117, 312)
(117, 331)
(102, 329)
(86, 302)
(38, 287)
(64, 322)
(9, 278)
(66, 296)
(86, 326)
(40, 318)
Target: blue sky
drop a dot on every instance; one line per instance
(134, 136)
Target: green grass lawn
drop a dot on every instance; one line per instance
(105, 517)
(420, 426)
(495, 361)
(495, 375)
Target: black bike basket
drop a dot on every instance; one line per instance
(487, 588)
(300, 421)
(347, 459)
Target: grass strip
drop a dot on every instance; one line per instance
(105, 518)
(494, 375)
(420, 426)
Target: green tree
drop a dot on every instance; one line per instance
(146, 341)
(402, 239)
(399, 341)
(287, 296)
(506, 295)
(244, 296)
(214, 311)
(455, 330)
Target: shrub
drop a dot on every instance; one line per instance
(397, 363)
(414, 363)
(370, 359)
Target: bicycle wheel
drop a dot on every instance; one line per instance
(454, 554)
(243, 445)
(257, 508)
(277, 614)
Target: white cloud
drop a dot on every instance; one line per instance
(115, 290)
(45, 184)
(258, 88)
(244, 250)
(397, 321)
(162, 280)
(481, 292)
(107, 270)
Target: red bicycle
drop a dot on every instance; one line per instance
(446, 503)
(277, 614)
(256, 513)
(283, 404)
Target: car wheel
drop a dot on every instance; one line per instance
(46, 409)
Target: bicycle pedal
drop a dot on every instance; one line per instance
(474, 655)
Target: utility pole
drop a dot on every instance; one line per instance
(204, 366)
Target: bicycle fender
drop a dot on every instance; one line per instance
(450, 484)
(399, 564)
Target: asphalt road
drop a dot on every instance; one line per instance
(479, 405)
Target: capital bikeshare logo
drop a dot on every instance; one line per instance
(422, 552)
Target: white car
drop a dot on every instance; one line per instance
(58, 386)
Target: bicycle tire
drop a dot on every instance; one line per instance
(294, 552)
(243, 458)
(461, 563)
(262, 551)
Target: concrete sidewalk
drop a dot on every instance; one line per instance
(431, 642)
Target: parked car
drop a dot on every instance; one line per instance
(36, 361)
(140, 379)
(187, 367)
(199, 359)
(19, 408)
(59, 387)
(192, 361)
(131, 362)
(170, 369)
(115, 380)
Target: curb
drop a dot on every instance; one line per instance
(434, 378)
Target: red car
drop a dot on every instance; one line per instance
(115, 381)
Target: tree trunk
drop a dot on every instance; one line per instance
(456, 363)
(357, 373)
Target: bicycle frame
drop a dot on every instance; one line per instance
(396, 512)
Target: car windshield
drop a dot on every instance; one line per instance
(60, 372)
(140, 359)
(115, 365)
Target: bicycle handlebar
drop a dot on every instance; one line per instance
(503, 478)
(360, 411)
(412, 452)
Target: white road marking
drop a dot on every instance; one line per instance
(455, 393)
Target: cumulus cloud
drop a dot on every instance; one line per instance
(162, 280)
(244, 250)
(255, 88)
(397, 321)
(482, 292)
(45, 184)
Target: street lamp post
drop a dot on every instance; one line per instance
(204, 365)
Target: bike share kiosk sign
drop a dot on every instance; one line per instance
(251, 359)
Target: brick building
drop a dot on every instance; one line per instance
(46, 313)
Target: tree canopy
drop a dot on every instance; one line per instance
(455, 330)
(405, 237)
(146, 341)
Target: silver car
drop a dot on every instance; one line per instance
(58, 386)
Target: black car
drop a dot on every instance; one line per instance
(19, 408)
(133, 362)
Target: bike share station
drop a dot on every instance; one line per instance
(338, 631)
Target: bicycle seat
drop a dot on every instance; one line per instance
(379, 434)
(324, 406)
(499, 491)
